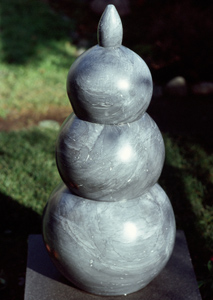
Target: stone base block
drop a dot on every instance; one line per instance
(44, 282)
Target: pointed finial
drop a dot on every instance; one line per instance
(110, 29)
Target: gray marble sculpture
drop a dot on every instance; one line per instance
(109, 228)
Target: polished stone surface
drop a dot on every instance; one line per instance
(44, 282)
(110, 228)
(109, 84)
(109, 248)
(110, 29)
(110, 162)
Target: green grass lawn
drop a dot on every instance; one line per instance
(35, 56)
(28, 168)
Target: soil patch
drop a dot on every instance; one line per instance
(26, 119)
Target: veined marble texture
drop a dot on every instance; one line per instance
(109, 85)
(109, 228)
(110, 29)
(109, 248)
(110, 162)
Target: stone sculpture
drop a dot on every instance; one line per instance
(109, 227)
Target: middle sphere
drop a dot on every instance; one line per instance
(109, 162)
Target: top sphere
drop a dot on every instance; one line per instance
(109, 83)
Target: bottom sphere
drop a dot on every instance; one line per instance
(109, 248)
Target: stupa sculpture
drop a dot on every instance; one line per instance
(109, 227)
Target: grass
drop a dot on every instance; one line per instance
(188, 180)
(28, 173)
(35, 86)
(35, 55)
(191, 185)
(22, 177)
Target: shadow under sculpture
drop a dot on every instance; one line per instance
(109, 228)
